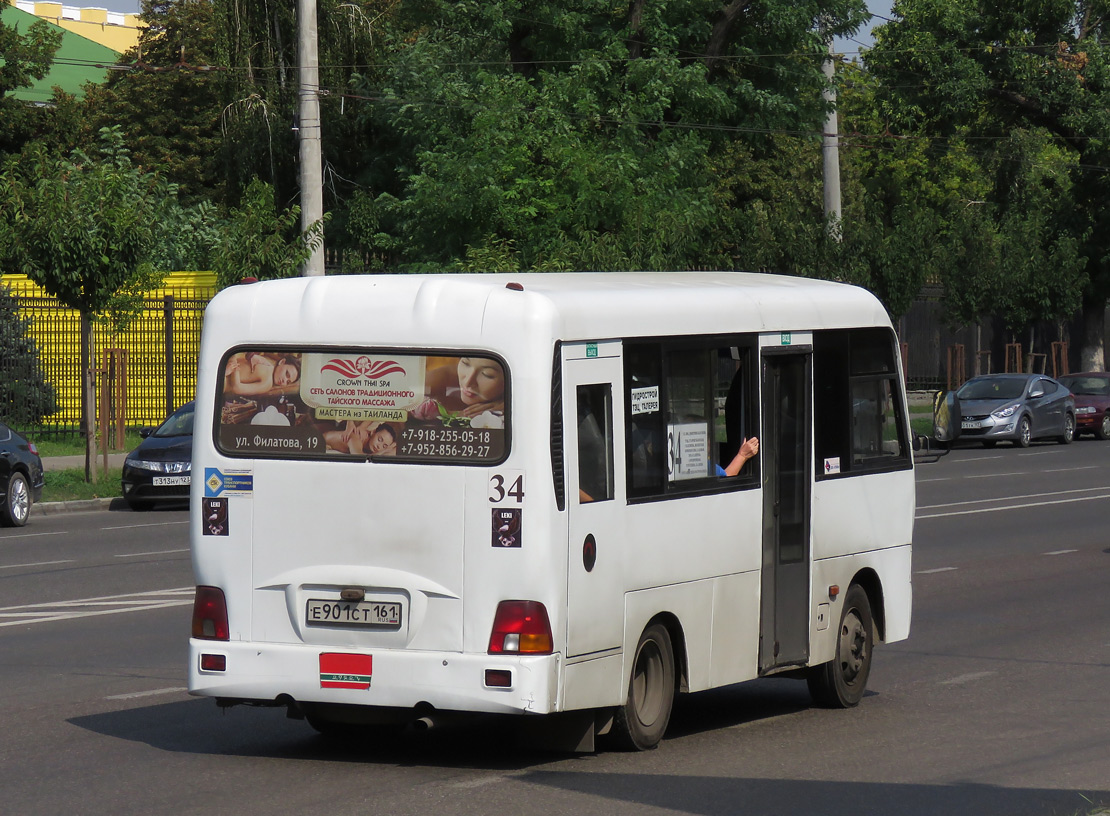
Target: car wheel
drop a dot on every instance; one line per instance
(17, 502)
(841, 682)
(641, 722)
(1069, 430)
(1103, 431)
(1025, 433)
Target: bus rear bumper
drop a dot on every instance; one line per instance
(269, 673)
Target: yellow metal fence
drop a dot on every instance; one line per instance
(160, 347)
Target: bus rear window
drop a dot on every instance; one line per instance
(311, 404)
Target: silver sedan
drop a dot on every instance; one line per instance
(1016, 407)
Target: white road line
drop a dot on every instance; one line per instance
(20, 621)
(966, 678)
(1060, 552)
(136, 526)
(1068, 470)
(1013, 498)
(938, 569)
(34, 535)
(155, 552)
(1011, 507)
(153, 692)
(36, 564)
(996, 475)
(24, 614)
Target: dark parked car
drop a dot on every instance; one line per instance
(1015, 407)
(1092, 402)
(20, 477)
(160, 468)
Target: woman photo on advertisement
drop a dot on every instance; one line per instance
(472, 386)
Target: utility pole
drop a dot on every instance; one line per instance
(308, 133)
(830, 149)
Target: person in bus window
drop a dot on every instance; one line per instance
(472, 387)
(748, 449)
(252, 372)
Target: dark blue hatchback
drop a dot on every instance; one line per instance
(159, 470)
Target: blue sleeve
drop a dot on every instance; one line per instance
(720, 470)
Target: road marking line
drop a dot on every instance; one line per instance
(1011, 498)
(996, 475)
(36, 564)
(136, 526)
(1011, 507)
(1060, 552)
(966, 678)
(75, 615)
(155, 552)
(34, 535)
(153, 692)
(938, 569)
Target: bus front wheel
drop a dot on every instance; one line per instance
(640, 723)
(841, 682)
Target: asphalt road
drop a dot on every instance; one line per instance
(999, 703)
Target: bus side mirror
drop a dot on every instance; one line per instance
(946, 416)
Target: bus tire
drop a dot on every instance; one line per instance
(841, 682)
(640, 723)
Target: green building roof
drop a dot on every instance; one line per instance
(78, 60)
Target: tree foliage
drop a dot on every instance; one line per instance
(25, 395)
(27, 56)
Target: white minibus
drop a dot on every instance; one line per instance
(532, 494)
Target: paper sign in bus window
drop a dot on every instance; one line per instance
(688, 451)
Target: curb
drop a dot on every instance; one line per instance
(77, 506)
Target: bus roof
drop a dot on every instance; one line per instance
(467, 308)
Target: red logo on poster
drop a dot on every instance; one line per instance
(363, 367)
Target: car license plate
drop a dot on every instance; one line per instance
(172, 481)
(969, 425)
(386, 614)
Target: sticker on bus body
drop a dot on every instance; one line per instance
(228, 482)
(346, 671)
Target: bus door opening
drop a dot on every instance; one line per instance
(785, 449)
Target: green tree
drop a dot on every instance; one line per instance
(586, 134)
(1030, 83)
(81, 227)
(168, 102)
(24, 57)
(260, 241)
(25, 395)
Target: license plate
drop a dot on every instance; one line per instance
(385, 614)
(172, 481)
(969, 425)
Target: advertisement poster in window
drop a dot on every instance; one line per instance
(410, 407)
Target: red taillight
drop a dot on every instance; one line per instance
(210, 614)
(33, 449)
(521, 627)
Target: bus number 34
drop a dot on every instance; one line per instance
(497, 491)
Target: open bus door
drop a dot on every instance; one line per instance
(785, 451)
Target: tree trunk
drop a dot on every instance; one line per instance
(1092, 356)
(88, 400)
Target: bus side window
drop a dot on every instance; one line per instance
(595, 442)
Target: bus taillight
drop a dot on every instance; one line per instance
(521, 627)
(210, 614)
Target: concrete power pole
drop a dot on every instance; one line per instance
(830, 149)
(308, 134)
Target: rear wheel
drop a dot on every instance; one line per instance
(1103, 431)
(841, 682)
(641, 722)
(1025, 433)
(1069, 430)
(17, 502)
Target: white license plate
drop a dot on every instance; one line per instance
(170, 481)
(969, 425)
(386, 614)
